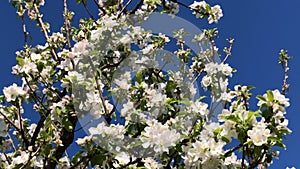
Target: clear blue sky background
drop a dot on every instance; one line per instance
(260, 29)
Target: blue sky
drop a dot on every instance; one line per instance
(260, 29)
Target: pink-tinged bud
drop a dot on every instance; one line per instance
(30, 148)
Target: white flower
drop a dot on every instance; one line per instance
(173, 8)
(198, 7)
(215, 15)
(20, 159)
(12, 92)
(127, 108)
(156, 98)
(82, 141)
(278, 98)
(159, 136)
(31, 129)
(126, 40)
(38, 162)
(64, 163)
(196, 4)
(124, 81)
(150, 163)
(46, 72)
(35, 57)
(225, 69)
(204, 150)
(230, 160)
(95, 34)
(112, 131)
(200, 107)
(74, 76)
(281, 98)
(259, 133)
(123, 159)
(81, 47)
(148, 49)
(28, 67)
(206, 81)
(211, 68)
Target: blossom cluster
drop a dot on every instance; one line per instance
(139, 105)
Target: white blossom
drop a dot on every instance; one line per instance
(279, 102)
(64, 163)
(12, 92)
(206, 81)
(200, 107)
(28, 67)
(124, 81)
(259, 133)
(31, 128)
(22, 158)
(35, 56)
(216, 14)
(38, 162)
(150, 163)
(112, 131)
(159, 136)
(129, 106)
(122, 159)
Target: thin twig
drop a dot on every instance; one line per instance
(99, 7)
(26, 142)
(67, 24)
(136, 7)
(107, 114)
(26, 34)
(88, 11)
(13, 145)
(10, 122)
(124, 8)
(44, 30)
(285, 84)
(228, 51)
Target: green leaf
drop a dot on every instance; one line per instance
(185, 101)
(171, 100)
(270, 95)
(139, 77)
(170, 107)
(225, 139)
(217, 131)
(253, 113)
(2, 98)
(201, 97)
(97, 159)
(20, 61)
(267, 114)
(40, 66)
(274, 139)
(280, 145)
(77, 157)
(58, 110)
(232, 118)
(261, 98)
(250, 87)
